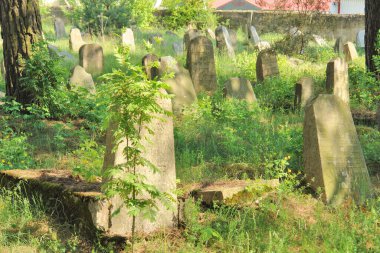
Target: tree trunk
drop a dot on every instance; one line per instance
(20, 28)
(372, 26)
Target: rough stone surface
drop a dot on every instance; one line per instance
(337, 79)
(128, 39)
(266, 65)
(59, 28)
(91, 58)
(81, 78)
(304, 92)
(239, 88)
(360, 39)
(223, 41)
(253, 36)
(178, 48)
(350, 52)
(333, 156)
(159, 150)
(188, 36)
(201, 64)
(75, 40)
(150, 64)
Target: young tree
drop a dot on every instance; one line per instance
(20, 29)
(372, 26)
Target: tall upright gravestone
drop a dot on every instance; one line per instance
(304, 92)
(91, 58)
(75, 40)
(339, 43)
(150, 65)
(333, 157)
(188, 36)
(337, 79)
(266, 65)
(128, 39)
(223, 41)
(59, 28)
(158, 150)
(201, 64)
(253, 36)
(350, 52)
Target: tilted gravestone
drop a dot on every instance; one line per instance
(91, 58)
(201, 64)
(304, 92)
(337, 79)
(360, 39)
(59, 28)
(350, 52)
(333, 157)
(180, 85)
(266, 65)
(188, 36)
(223, 41)
(128, 39)
(253, 36)
(178, 48)
(158, 150)
(80, 78)
(150, 63)
(75, 40)
(239, 88)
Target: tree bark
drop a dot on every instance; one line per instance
(20, 28)
(372, 26)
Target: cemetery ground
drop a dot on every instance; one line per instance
(215, 140)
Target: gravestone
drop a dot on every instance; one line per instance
(360, 39)
(80, 78)
(337, 79)
(253, 36)
(188, 36)
(180, 85)
(304, 92)
(91, 58)
(333, 157)
(350, 52)
(53, 50)
(178, 48)
(75, 40)
(266, 65)
(223, 41)
(59, 28)
(319, 40)
(210, 33)
(150, 64)
(201, 64)
(239, 88)
(158, 150)
(339, 44)
(128, 39)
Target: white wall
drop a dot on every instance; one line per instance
(352, 7)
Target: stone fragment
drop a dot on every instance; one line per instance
(188, 36)
(91, 58)
(253, 36)
(128, 39)
(337, 79)
(266, 65)
(350, 52)
(304, 92)
(223, 41)
(201, 64)
(333, 157)
(59, 28)
(239, 88)
(80, 78)
(150, 63)
(360, 39)
(75, 40)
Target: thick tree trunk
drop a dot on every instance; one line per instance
(372, 26)
(20, 28)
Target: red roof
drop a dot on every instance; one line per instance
(322, 5)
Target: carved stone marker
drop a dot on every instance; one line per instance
(128, 39)
(223, 41)
(360, 39)
(304, 92)
(201, 64)
(91, 58)
(333, 156)
(159, 150)
(338, 48)
(350, 52)
(337, 79)
(239, 88)
(266, 65)
(75, 40)
(180, 85)
(253, 36)
(150, 63)
(81, 78)
(189, 35)
(59, 28)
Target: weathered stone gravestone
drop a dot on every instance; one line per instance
(319, 40)
(59, 28)
(91, 58)
(210, 33)
(53, 50)
(128, 39)
(360, 39)
(223, 41)
(333, 156)
(239, 88)
(339, 44)
(150, 63)
(188, 36)
(178, 48)
(266, 65)
(80, 78)
(201, 64)
(253, 36)
(337, 79)
(350, 52)
(304, 92)
(75, 41)
(180, 85)
(159, 150)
